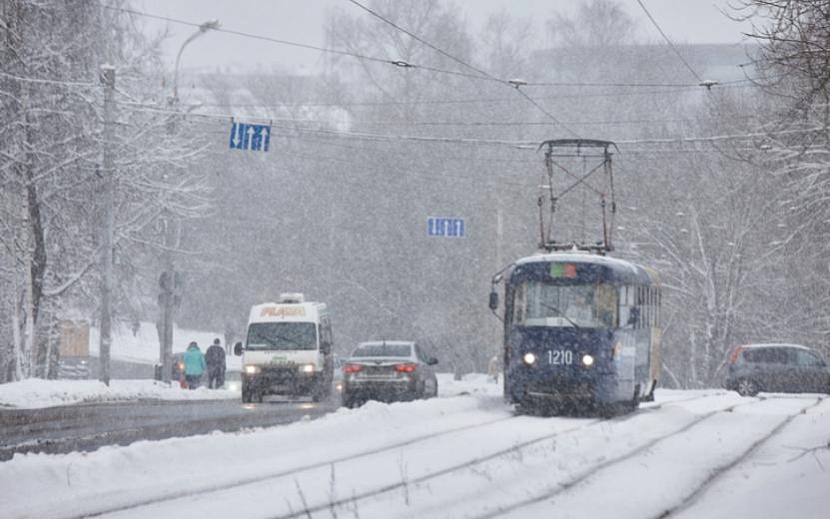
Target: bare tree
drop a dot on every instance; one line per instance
(50, 210)
(794, 72)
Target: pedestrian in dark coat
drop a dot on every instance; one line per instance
(216, 365)
(194, 365)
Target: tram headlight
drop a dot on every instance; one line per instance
(588, 360)
(529, 358)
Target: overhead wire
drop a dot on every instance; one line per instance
(59, 82)
(521, 144)
(483, 100)
(397, 63)
(479, 74)
(465, 64)
(671, 45)
(428, 44)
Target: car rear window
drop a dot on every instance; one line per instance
(767, 355)
(383, 350)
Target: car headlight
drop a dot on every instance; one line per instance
(307, 368)
(588, 360)
(251, 369)
(529, 358)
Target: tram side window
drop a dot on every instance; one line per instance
(605, 300)
(643, 307)
(627, 304)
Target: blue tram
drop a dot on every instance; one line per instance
(581, 331)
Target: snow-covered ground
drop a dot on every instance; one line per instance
(693, 453)
(141, 347)
(36, 393)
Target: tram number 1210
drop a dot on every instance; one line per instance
(560, 357)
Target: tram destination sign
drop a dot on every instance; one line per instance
(445, 227)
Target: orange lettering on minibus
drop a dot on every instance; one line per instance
(282, 311)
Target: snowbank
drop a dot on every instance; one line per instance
(37, 393)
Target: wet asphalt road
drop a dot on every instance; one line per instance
(88, 427)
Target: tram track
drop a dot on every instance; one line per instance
(357, 497)
(716, 474)
(194, 492)
(566, 486)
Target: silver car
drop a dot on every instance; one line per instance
(388, 371)
(788, 368)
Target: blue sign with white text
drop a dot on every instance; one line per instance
(254, 137)
(445, 227)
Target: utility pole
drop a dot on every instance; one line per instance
(108, 80)
(170, 281)
(169, 298)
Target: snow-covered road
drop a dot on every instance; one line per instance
(691, 453)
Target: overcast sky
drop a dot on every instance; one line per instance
(683, 21)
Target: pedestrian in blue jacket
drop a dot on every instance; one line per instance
(194, 365)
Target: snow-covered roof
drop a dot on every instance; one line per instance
(580, 257)
(619, 266)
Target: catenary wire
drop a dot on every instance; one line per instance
(663, 34)
(465, 64)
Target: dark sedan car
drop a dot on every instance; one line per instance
(388, 371)
(786, 368)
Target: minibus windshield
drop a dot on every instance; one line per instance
(282, 336)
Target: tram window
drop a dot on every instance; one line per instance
(641, 304)
(519, 304)
(564, 305)
(605, 301)
(627, 303)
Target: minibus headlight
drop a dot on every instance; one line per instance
(307, 368)
(251, 369)
(588, 360)
(529, 358)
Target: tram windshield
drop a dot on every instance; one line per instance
(583, 306)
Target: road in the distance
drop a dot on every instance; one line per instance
(89, 426)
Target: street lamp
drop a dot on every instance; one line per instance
(170, 283)
(203, 28)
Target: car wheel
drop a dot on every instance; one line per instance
(247, 393)
(747, 387)
(430, 389)
(317, 394)
(349, 401)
